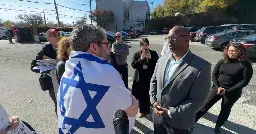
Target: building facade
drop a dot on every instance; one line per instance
(128, 13)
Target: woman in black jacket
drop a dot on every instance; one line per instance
(144, 62)
(229, 77)
(49, 51)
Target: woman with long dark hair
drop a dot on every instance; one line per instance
(230, 75)
(144, 62)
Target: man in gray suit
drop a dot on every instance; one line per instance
(179, 85)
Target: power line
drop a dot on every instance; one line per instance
(83, 4)
(36, 2)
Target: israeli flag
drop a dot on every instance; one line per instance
(91, 90)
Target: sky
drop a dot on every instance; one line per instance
(9, 9)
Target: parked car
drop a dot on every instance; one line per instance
(165, 31)
(42, 37)
(2, 33)
(111, 38)
(131, 33)
(247, 41)
(193, 31)
(206, 31)
(222, 39)
(245, 27)
(124, 35)
(139, 32)
(250, 44)
(153, 32)
(66, 34)
(252, 53)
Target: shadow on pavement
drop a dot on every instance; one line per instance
(142, 128)
(202, 129)
(231, 125)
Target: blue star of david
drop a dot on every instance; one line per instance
(91, 102)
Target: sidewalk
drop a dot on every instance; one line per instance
(242, 120)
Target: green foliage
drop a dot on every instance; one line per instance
(102, 17)
(244, 10)
(31, 19)
(158, 12)
(213, 5)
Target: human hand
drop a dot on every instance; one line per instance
(221, 91)
(14, 123)
(160, 111)
(149, 55)
(143, 55)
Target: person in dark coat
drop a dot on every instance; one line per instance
(143, 62)
(49, 51)
(9, 36)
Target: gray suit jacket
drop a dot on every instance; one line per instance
(186, 90)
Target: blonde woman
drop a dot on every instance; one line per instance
(64, 50)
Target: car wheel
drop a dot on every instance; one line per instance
(193, 40)
(4, 38)
(224, 45)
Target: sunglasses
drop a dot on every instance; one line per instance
(117, 36)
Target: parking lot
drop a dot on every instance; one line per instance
(22, 96)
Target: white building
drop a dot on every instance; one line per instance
(128, 13)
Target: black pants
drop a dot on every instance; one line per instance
(10, 39)
(161, 127)
(54, 99)
(123, 70)
(226, 106)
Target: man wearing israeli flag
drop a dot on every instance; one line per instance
(91, 90)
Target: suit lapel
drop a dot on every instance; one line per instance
(181, 67)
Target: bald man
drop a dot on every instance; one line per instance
(121, 52)
(179, 86)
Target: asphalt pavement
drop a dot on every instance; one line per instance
(21, 94)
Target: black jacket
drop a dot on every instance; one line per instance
(48, 50)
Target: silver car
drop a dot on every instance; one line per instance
(221, 40)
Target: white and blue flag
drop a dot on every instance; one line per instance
(90, 92)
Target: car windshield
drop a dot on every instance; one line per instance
(251, 37)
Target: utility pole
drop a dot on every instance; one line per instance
(152, 9)
(44, 19)
(91, 9)
(57, 13)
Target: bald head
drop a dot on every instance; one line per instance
(118, 34)
(119, 37)
(178, 38)
(180, 30)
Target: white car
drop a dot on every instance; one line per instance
(2, 33)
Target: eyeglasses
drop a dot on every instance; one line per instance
(173, 37)
(108, 44)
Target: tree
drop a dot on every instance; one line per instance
(51, 24)
(173, 6)
(32, 19)
(102, 17)
(213, 5)
(243, 10)
(81, 21)
(158, 11)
